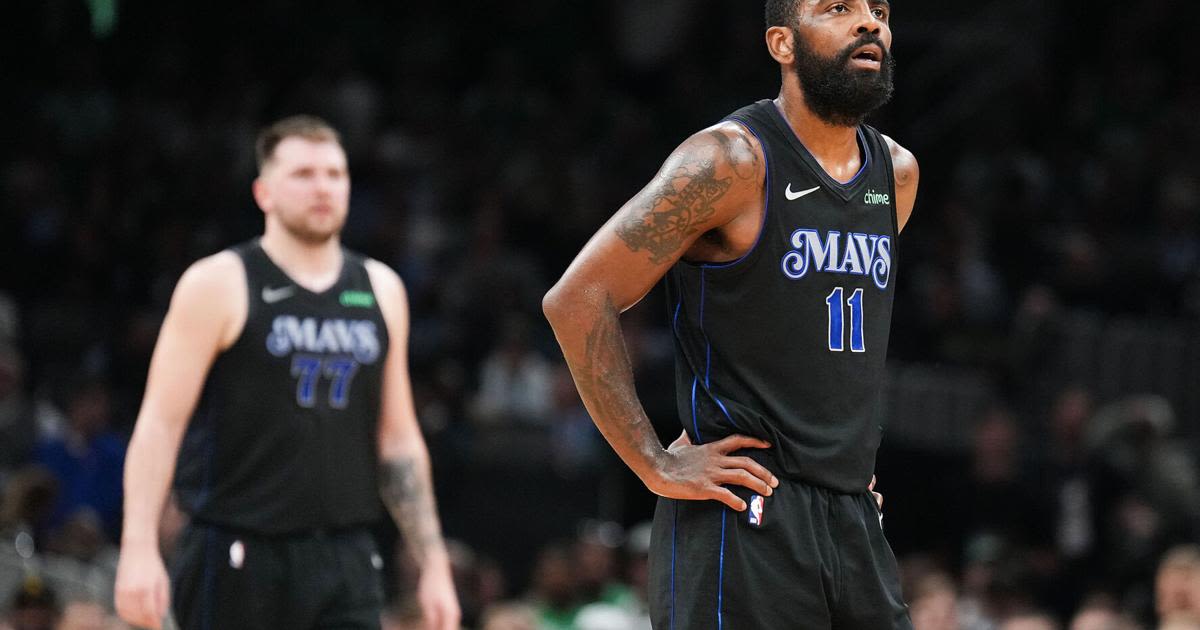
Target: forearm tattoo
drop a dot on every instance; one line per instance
(605, 373)
(604, 376)
(407, 491)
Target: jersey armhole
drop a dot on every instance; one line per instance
(886, 158)
(766, 212)
(240, 327)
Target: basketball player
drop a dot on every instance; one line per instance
(295, 350)
(776, 232)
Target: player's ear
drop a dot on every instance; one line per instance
(781, 42)
(259, 190)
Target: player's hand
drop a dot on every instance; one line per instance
(436, 595)
(878, 496)
(142, 593)
(687, 471)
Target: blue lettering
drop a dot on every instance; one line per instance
(359, 338)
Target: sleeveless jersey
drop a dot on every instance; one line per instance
(788, 343)
(284, 438)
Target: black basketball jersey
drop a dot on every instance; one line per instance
(788, 342)
(284, 438)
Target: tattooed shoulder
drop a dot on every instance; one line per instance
(739, 149)
(686, 196)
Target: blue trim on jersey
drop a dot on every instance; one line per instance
(725, 411)
(866, 149)
(674, 530)
(766, 200)
(208, 431)
(708, 360)
(695, 425)
(707, 343)
(675, 320)
(721, 571)
(210, 575)
(862, 145)
(707, 363)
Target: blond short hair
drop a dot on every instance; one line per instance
(302, 126)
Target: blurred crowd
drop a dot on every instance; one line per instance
(1058, 197)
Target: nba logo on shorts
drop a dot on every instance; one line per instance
(756, 510)
(237, 554)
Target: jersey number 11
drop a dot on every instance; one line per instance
(837, 319)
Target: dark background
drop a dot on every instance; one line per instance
(1043, 347)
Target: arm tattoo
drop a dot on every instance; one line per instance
(675, 214)
(685, 200)
(604, 376)
(408, 494)
(605, 369)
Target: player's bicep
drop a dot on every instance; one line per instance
(187, 344)
(907, 174)
(398, 427)
(702, 186)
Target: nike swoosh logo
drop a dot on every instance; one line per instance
(271, 296)
(792, 196)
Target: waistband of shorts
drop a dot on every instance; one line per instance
(767, 458)
(316, 533)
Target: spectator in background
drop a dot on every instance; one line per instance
(85, 615)
(1070, 492)
(27, 500)
(79, 560)
(478, 580)
(1074, 529)
(87, 460)
(603, 617)
(34, 606)
(17, 428)
(637, 571)
(509, 616)
(1004, 519)
(553, 594)
(515, 381)
(996, 583)
(1150, 499)
(596, 566)
(997, 494)
(1030, 621)
(1101, 614)
(933, 602)
(1177, 586)
(577, 444)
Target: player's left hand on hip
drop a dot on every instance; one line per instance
(437, 597)
(878, 496)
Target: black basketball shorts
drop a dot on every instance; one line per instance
(225, 580)
(804, 558)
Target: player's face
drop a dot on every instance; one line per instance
(843, 57)
(306, 188)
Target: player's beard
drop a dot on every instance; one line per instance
(300, 229)
(837, 93)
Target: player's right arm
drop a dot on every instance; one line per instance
(200, 322)
(711, 181)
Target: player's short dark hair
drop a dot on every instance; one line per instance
(781, 12)
(302, 126)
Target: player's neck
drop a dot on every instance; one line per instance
(836, 144)
(314, 266)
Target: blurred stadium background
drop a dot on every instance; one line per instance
(1040, 458)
